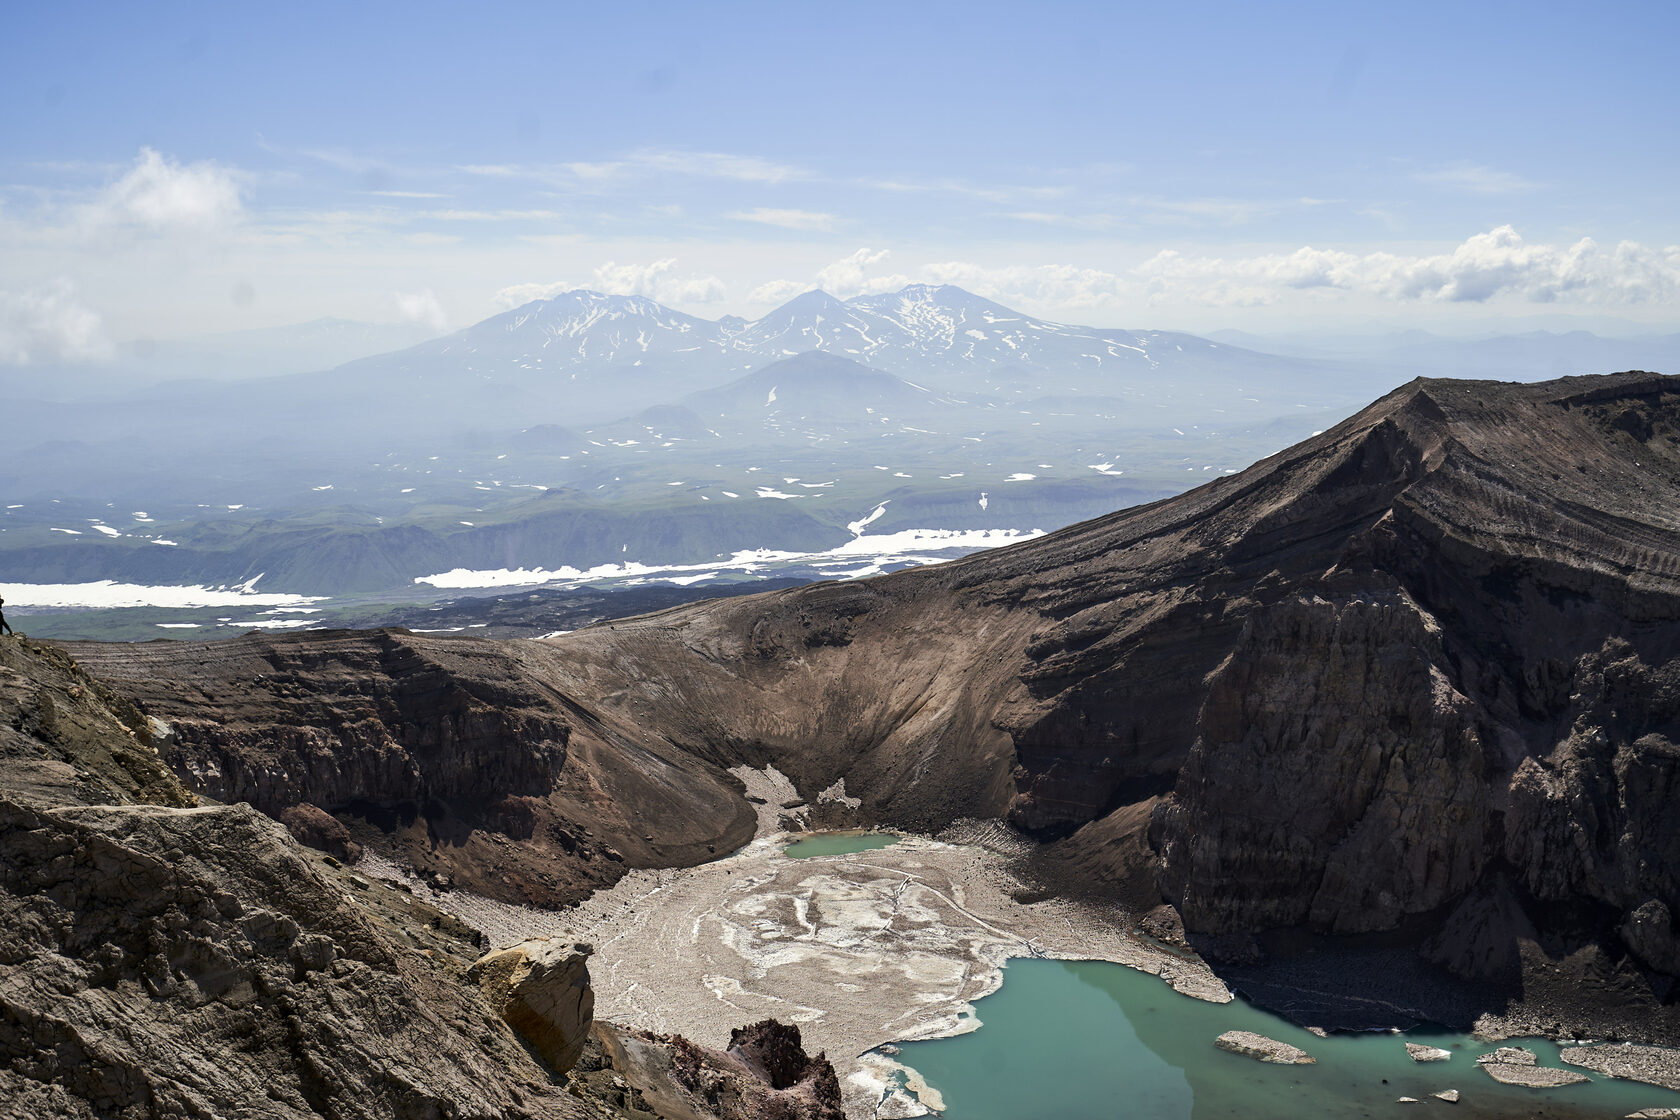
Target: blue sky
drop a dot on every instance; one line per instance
(172, 169)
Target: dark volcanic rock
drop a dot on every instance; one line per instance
(443, 749)
(764, 1075)
(1416, 678)
(189, 962)
(1280, 813)
(158, 960)
(774, 1051)
(314, 828)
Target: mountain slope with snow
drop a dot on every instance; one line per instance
(598, 355)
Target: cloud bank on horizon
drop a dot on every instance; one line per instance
(1290, 168)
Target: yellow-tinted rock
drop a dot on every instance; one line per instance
(541, 987)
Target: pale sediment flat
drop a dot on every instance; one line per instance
(1654, 1065)
(858, 950)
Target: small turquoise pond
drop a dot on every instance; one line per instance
(839, 844)
(1090, 1040)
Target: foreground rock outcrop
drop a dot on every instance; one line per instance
(765, 1074)
(191, 962)
(166, 960)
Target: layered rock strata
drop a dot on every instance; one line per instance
(158, 959)
(458, 757)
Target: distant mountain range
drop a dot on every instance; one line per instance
(595, 354)
(592, 429)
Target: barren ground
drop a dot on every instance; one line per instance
(858, 950)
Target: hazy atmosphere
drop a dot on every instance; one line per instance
(184, 169)
(745, 561)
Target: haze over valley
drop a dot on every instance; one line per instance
(780, 562)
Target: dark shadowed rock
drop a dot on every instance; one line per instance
(313, 828)
(773, 1051)
(439, 752)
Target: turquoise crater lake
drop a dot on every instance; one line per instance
(839, 844)
(1090, 1040)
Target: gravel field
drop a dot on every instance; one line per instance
(858, 950)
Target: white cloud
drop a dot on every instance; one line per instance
(518, 295)
(422, 307)
(1498, 264)
(49, 324)
(1489, 265)
(786, 219)
(1054, 284)
(850, 276)
(491, 215)
(715, 165)
(159, 193)
(1142, 211)
(650, 161)
(658, 281)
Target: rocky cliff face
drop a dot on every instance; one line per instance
(161, 959)
(457, 756)
(1413, 678)
(165, 960)
(184, 962)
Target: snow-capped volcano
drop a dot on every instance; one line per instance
(920, 329)
(929, 330)
(583, 328)
(603, 354)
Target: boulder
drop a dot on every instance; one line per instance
(314, 827)
(1420, 1053)
(541, 987)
